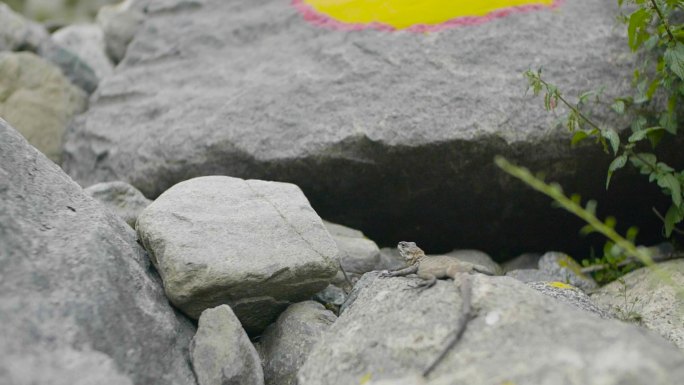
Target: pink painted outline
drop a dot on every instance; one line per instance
(321, 20)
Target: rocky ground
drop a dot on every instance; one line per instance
(166, 168)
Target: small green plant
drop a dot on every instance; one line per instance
(652, 109)
(627, 312)
(587, 213)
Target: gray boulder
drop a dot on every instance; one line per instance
(72, 66)
(522, 261)
(38, 100)
(518, 336)
(221, 352)
(254, 245)
(285, 345)
(19, 33)
(390, 259)
(532, 275)
(648, 300)
(121, 198)
(79, 301)
(120, 22)
(87, 42)
(252, 90)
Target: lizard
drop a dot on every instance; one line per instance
(431, 268)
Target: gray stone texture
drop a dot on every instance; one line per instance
(254, 245)
(531, 275)
(519, 336)
(121, 198)
(392, 133)
(221, 351)
(87, 42)
(38, 100)
(658, 304)
(570, 295)
(73, 67)
(522, 261)
(564, 269)
(482, 260)
(358, 254)
(120, 22)
(285, 345)
(79, 301)
(19, 33)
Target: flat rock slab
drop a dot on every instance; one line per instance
(519, 336)
(79, 302)
(254, 245)
(391, 133)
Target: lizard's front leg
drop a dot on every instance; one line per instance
(428, 281)
(401, 272)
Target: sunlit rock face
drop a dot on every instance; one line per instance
(419, 16)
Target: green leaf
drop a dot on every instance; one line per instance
(671, 183)
(655, 136)
(674, 57)
(638, 22)
(613, 138)
(615, 165)
(619, 107)
(579, 136)
(632, 233)
(640, 135)
(673, 216)
(644, 161)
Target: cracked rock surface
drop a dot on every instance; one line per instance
(254, 245)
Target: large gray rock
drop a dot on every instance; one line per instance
(645, 298)
(478, 258)
(254, 245)
(87, 42)
(221, 352)
(38, 100)
(287, 343)
(519, 336)
(564, 269)
(391, 133)
(121, 198)
(79, 302)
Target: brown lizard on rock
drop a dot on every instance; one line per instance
(431, 268)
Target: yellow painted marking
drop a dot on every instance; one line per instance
(406, 13)
(561, 285)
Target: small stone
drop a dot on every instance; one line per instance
(119, 23)
(121, 198)
(565, 269)
(221, 352)
(87, 42)
(285, 344)
(38, 100)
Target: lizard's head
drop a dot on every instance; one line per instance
(410, 251)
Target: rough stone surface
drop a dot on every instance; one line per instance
(79, 301)
(75, 69)
(570, 295)
(522, 261)
(38, 100)
(331, 295)
(478, 258)
(221, 351)
(121, 198)
(358, 254)
(18, 33)
(120, 22)
(87, 42)
(285, 345)
(390, 133)
(390, 259)
(254, 245)
(531, 275)
(565, 269)
(519, 336)
(657, 305)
